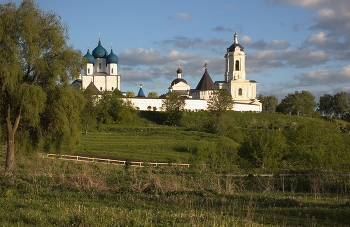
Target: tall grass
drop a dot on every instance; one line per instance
(49, 192)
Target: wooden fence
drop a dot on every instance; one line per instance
(109, 161)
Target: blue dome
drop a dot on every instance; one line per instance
(89, 57)
(112, 58)
(99, 51)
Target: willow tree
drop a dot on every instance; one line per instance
(34, 59)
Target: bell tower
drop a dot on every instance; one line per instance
(235, 61)
(241, 89)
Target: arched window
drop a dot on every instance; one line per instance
(88, 70)
(237, 66)
(240, 92)
(112, 70)
(99, 66)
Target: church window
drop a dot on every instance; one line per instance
(237, 66)
(100, 88)
(112, 88)
(99, 66)
(89, 71)
(240, 92)
(112, 70)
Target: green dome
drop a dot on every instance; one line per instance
(99, 51)
(89, 57)
(112, 58)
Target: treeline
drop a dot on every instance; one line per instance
(303, 103)
(272, 141)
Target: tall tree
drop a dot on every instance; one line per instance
(34, 58)
(269, 102)
(342, 104)
(298, 103)
(326, 105)
(173, 105)
(89, 113)
(219, 103)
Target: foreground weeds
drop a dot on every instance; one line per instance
(45, 192)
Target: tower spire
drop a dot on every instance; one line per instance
(235, 38)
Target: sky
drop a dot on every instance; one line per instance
(290, 45)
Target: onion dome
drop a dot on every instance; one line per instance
(235, 44)
(99, 51)
(89, 57)
(179, 70)
(178, 80)
(112, 58)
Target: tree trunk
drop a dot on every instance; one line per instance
(10, 156)
(11, 130)
(86, 128)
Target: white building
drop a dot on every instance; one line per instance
(102, 72)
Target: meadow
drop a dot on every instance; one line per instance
(55, 192)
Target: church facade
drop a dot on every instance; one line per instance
(101, 74)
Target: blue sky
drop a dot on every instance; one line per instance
(291, 45)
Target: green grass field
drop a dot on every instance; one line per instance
(49, 192)
(154, 143)
(54, 192)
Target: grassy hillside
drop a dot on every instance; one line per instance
(146, 143)
(308, 141)
(53, 192)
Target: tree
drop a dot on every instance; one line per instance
(264, 148)
(269, 102)
(341, 102)
(326, 105)
(59, 122)
(219, 103)
(152, 94)
(130, 94)
(89, 113)
(113, 109)
(173, 105)
(34, 60)
(298, 103)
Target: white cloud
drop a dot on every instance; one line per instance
(246, 40)
(184, 16)
(262, 44)
(142, 56)
(303, 58)
(314, 4)
(324, 77)
(279, 44)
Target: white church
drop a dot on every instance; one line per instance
(101, 74)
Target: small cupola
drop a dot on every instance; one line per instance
(89, 57)
(141, 93)
(112, 58)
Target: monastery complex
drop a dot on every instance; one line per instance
(101, 74)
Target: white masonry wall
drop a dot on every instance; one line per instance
(191, 104)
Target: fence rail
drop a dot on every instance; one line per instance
(109, 161)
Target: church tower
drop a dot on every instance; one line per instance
(101, 70)
(241, 89)
(235, 61)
